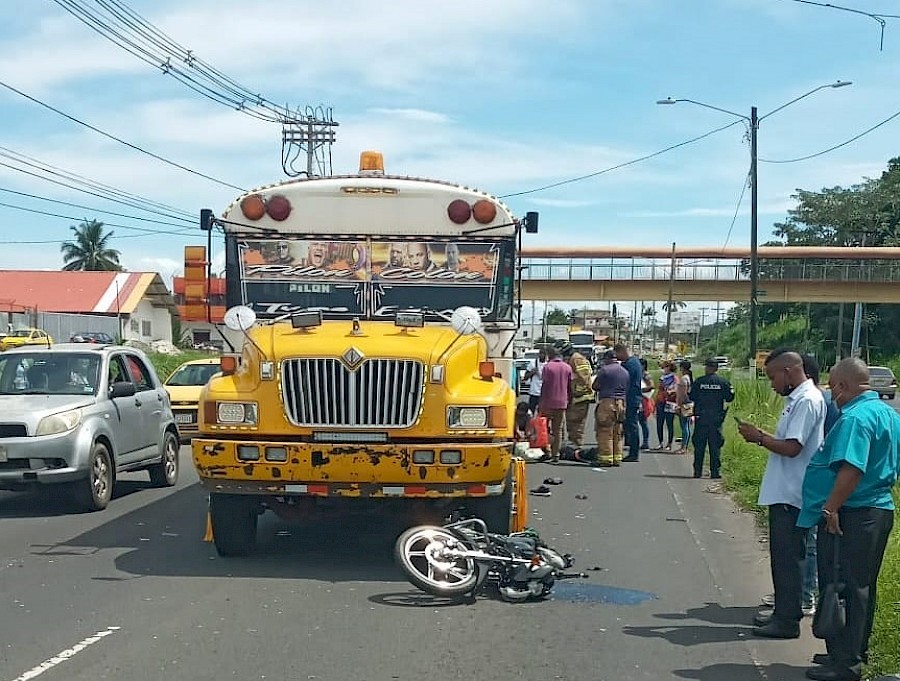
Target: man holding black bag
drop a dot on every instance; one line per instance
(847, 493)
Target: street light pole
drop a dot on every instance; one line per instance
(753, 121)
(754, 234)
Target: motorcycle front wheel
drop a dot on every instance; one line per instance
(424, 554)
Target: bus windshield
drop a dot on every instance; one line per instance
(370, 278)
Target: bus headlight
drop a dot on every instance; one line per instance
(243, 413)
(467, 417)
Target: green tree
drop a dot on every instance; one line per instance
(865, 213)
(90, 251)
(676, 305)
(557, 316)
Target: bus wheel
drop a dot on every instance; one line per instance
(496, 512)
(233, 520)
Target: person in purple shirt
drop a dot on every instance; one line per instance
(611, 385)
(556, 391)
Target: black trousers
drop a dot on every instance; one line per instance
(706, 433)
(787, 557)
(632, 430)
(866, 532)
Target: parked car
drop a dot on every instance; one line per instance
(80, 414)
(883, 381)
(91, 337)
(184, 386)
(29, 336)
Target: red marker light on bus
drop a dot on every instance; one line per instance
(278, 207)
(459, 211)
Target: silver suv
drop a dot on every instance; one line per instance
(81, 413)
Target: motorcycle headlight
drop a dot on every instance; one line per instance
(59, 423)
(468, 417)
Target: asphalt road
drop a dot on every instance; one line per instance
(133, 593)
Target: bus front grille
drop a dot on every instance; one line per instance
(379, 393)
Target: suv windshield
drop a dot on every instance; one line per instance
(54, 373)
(193, 374)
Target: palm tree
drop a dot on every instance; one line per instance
(90, 252)
(676, 305)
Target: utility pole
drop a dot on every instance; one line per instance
(669, 304)
(533, 302)
(857, 319)
(700, 328)
(718, 305)
(754, 235)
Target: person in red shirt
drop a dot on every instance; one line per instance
(556, 391)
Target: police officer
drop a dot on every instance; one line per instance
(709, 394)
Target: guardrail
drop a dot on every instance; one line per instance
(709, 270)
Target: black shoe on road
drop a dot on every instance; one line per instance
(777, 629)
(630, 459)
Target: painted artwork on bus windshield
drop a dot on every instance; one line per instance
(401, 261)
(372, 278)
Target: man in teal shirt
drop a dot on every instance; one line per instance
(847, 493)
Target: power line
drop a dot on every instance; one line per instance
(107, 192)
(127, 29)
(120, 140)
(622, 165)
(92, 209)
(145, 231)
(836, 146)
(880, 18)
(737, 209)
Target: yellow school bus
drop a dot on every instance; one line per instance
(375, 316)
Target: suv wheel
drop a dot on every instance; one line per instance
(165, 473)
(94, 492)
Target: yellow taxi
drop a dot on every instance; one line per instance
(21, 337)
(184, 386)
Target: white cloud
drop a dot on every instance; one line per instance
(563, 203)
(417, 115)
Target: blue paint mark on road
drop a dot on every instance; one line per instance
(579, 592)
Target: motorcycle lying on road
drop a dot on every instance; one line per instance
(457, 559)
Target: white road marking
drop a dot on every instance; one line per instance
(66, 654)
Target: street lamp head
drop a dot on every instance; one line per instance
(842, 83)
(667, 100)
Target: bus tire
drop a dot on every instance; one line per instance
(233, 519)
(496, 511)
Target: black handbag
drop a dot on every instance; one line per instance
(831, 611)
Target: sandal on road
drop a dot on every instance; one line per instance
(542, 491)
(553, 481)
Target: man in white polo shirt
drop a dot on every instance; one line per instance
(799, 434)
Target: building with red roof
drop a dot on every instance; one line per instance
(141, 301)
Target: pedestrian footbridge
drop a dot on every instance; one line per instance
(787, 274)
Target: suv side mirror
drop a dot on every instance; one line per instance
(122, 389)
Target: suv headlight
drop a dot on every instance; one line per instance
(59, 423)
(241, 413)
(467, 417)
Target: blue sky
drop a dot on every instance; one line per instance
(506, 96)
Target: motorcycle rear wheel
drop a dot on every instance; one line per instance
(419, 553)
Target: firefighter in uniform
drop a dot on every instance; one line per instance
(710, 394)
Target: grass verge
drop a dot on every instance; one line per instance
(742, 468)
